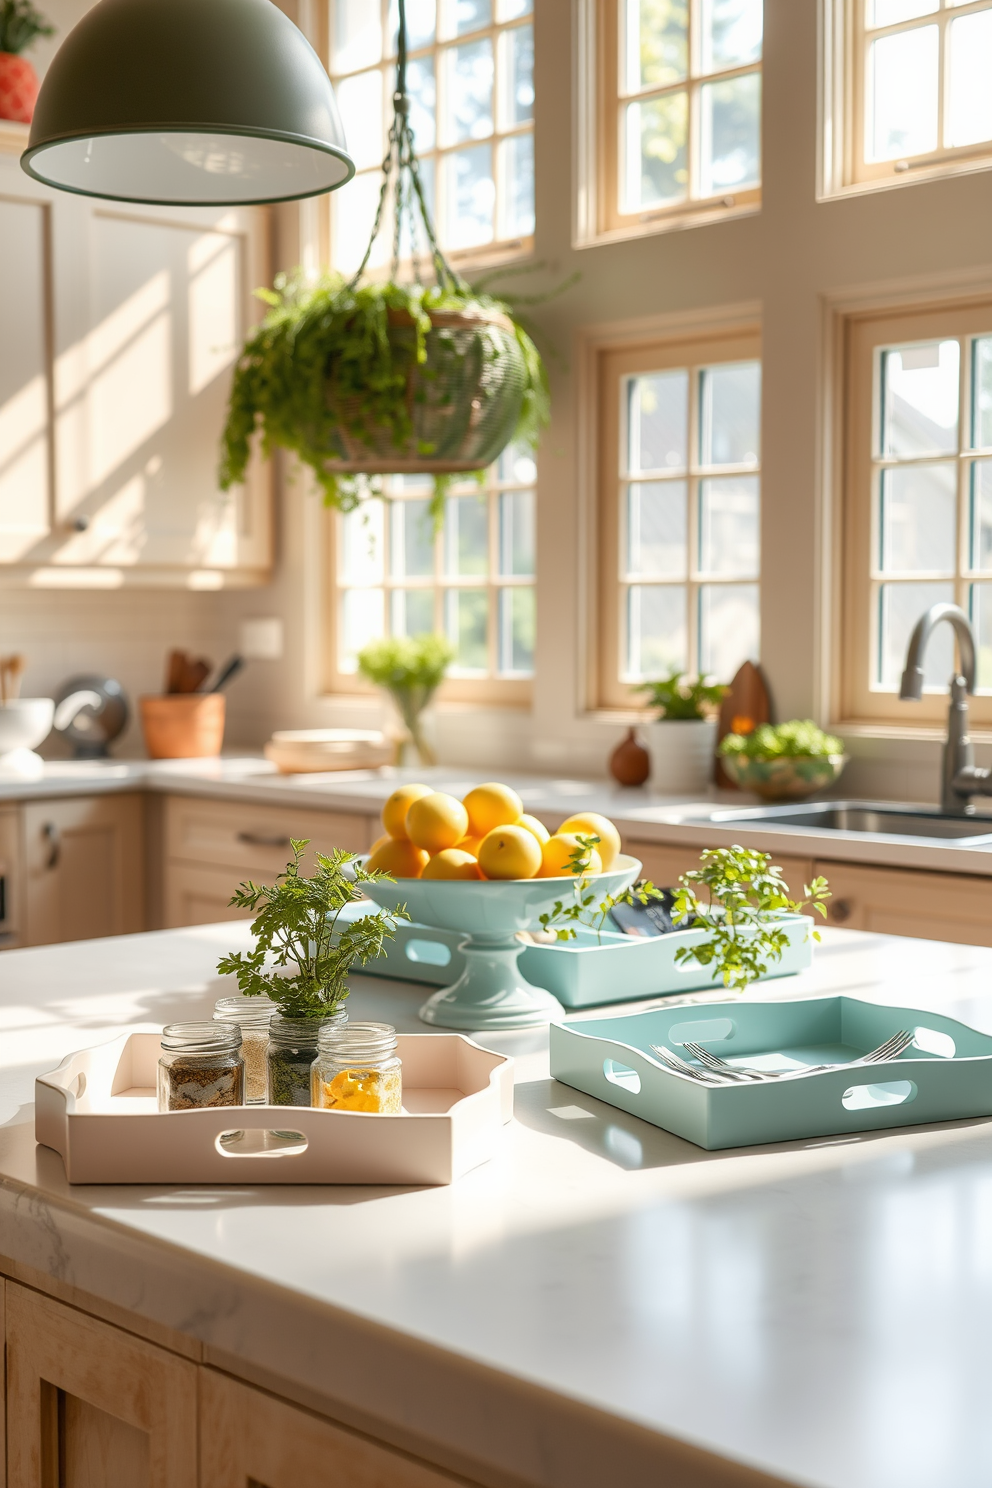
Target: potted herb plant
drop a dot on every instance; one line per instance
(302, 956)
(682, 738)
(410, 669)
(785, 761)
(20, 26)
(746, 898)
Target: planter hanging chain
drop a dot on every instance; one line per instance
(411, 203)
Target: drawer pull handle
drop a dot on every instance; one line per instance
(841, 910)
(53, 837)
(261, 839)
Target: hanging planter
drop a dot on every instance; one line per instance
(369, 379)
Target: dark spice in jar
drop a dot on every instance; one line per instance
(291, 1053)
(201, 1067)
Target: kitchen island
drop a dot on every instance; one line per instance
(600, 1304)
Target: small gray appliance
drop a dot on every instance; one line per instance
(91, 712)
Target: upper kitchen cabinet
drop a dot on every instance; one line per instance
(119, 329)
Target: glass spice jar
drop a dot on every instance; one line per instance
(251, 1015)
(357, 1069)
(290, 1054)
(201, 1066)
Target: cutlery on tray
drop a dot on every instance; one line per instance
(711, 1069)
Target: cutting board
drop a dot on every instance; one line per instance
(745, 705)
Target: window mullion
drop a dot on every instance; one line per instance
(692, 585)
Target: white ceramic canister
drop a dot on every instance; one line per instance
(681, 752)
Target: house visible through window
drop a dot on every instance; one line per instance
(680, 512)
(918, 501)
(681, 90)
(470, 76)
(473, 580)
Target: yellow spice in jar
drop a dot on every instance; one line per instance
(361, 1090)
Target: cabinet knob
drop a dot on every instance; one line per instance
(841, 910)
(53, 837)
(260, 839)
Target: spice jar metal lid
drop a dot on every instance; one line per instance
(247, 1012)
(201, 1038)
(356, 1041)
(293, 1031)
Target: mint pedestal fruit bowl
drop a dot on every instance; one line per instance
(491, 993)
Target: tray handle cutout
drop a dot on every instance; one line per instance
(261, 1142)
(872, 1097)
(710, 1031)
(932, 1042)
(428, 952)
(621, 1074)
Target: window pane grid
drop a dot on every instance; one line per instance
(473, 580)
(689, 520)
(472, 89)
(931, 511)
(689, 108)
(924, 69)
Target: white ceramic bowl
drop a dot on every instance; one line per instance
(24, 722)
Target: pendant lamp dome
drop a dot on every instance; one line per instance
(188, 103)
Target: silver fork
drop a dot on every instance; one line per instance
(891, 1049)
(680, 1067)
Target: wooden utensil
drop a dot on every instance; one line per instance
(184, 674)
(11, 671)
(746, 704)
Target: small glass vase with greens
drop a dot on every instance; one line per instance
(302, 956)
(410, 669)
(677, 698)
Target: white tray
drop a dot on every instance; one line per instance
(99, 1111)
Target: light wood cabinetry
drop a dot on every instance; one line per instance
(211, 846)
(252, 1440)
(90, 1406)
(664, 862)
(83, 868)
(897, 901)
(10, 874)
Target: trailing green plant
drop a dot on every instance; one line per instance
(296, 925)
(20, 25)
(410, 669)
(364, 340)
(747, 897)
(800, 738)
(589, 907)
(677, 697)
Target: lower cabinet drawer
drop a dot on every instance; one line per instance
(664, 862)
(256, 839)
(904, 901)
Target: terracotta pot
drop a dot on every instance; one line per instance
(18, 88)
(185, 726)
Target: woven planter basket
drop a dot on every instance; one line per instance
(464, 401)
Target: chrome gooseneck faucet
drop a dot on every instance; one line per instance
(960, 777)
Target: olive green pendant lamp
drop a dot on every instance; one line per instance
(188, 103)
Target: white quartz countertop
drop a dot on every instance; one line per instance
(602, 1303)
(640, 814)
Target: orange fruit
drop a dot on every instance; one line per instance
(470, 845)
(399, 803)
(400, 858)
(436, 821)
(558, 853)
(491, 805)
(380, 842)
(537, 827)
(451, 862)
(591, 824)
(510, 852)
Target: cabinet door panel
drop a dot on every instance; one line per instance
(84, 869)
(89, 1406)
(896, 901)
(200, 896)
(254, 1441)
(25, 477)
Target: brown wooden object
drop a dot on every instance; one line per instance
(630, 763)
(746, 704)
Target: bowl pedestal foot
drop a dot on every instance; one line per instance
(491, 993)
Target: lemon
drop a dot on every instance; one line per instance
(591, 824)
(452, 863)
(399, 857)
(380, 842)
(510, 852)
(537, 827)
(399, 803)
(470, 845)
(491, 805)
(558, 855)
(436, 821)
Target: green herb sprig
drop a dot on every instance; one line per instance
(676, 697)
(297, 925)
(589, 908)
(746, 897)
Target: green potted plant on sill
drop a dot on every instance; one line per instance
(785, 761)
(20, 26)
(409, 669)
(682, 737)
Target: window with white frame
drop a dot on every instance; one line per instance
(473, 579)
(680, 108)
(680, 512)
(470, 75)
(918, 75)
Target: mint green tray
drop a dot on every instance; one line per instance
(947, 1077)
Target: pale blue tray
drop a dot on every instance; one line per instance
(590, 971)
(947, 1078)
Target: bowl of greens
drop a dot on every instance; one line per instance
(784, 761)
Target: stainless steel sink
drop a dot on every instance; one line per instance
(875, 818)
